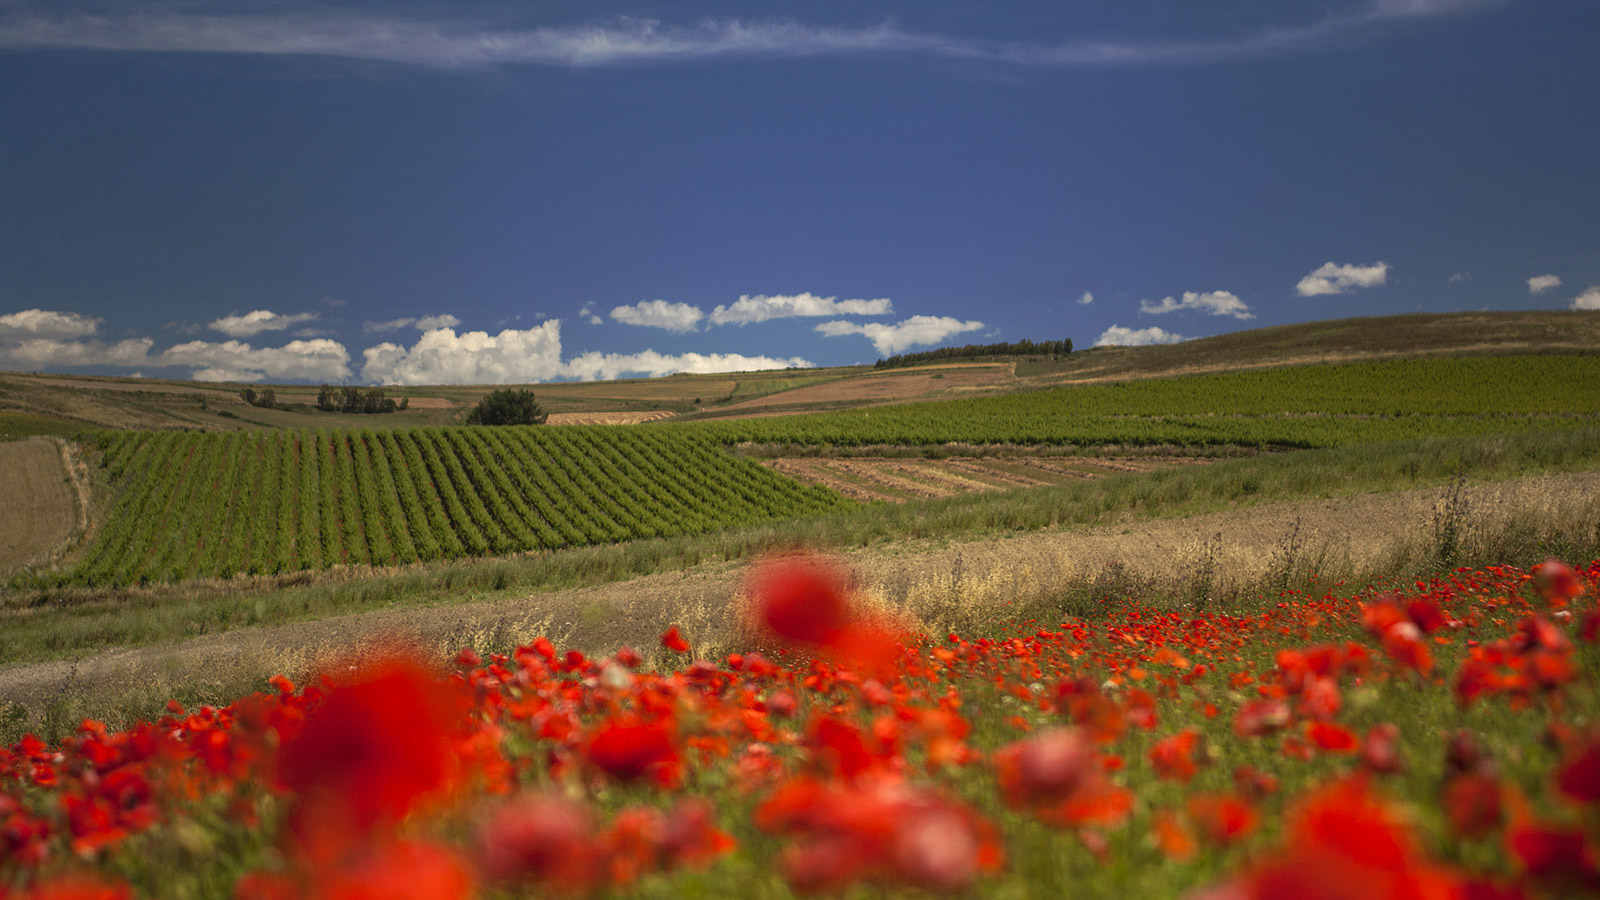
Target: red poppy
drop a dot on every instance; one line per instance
(1473, 803)
(539, 838)
(802, 600)
(376, 745)
(1380, 749)
(674, 641)
(628, 749)
(1580, 775)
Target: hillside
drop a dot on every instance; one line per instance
(32, 403)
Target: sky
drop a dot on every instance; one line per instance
(431, 192)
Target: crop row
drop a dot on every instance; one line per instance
(214, 505)
(1302, 406)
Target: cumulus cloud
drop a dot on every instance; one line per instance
(443, 43)
(1086, 299)
(1589, 299)
(215, 374)
(674, 317)
(256, 321)
(47, 323)
(596, 366)
(907, 333)
(761, 307)
(1332, 278)
(425, 323)
(320, 359)
(1118, 336)
(1538, 284)
(441, 356)
(1216, 303)
(41, 353)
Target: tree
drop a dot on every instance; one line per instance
(507, 406)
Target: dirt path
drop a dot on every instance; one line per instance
(1242, 544)
(40, 505)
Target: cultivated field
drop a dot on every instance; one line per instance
(1148, 622)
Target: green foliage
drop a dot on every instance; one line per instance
(507, 406)
(189, 505)
(266, 398)
(1023, 347)
(354, 400)
(1306, 406)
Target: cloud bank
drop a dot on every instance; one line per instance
(679, 318)
(456, 45)
(45, 323)
(903, 335)
(596, 366)
(1118, 336)
(425, 323)
(1332, 278)
(256, 321)
(1216, 303)
(761, 308)
(1589, 299)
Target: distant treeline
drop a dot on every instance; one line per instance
(355, 400)
(1007, 348)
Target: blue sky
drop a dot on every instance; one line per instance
(433, 192)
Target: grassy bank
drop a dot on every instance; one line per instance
(66, 623)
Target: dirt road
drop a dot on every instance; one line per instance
(1239, 545)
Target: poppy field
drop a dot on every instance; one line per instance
(1436, 738)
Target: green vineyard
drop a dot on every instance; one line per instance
(190, 504)
(1302, 406)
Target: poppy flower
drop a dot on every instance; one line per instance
(674, 641)
(1222, 818)
(628, 749)
(378, 743)
(1473, 803)
(1579, 777)
(1380, 749)
(537, 838)
(802, 600)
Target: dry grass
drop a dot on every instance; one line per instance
(41, 505)
(896, 480)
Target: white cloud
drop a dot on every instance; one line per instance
(761, 307)
(441, 356)
(1118, 336)
(41, 353)
(596, 366)
(319, 359)
(215, 374)
(47, 323)
(1332, 278)
(1589, 299)
(1541, 283)
(1086, 299)
(1216, 303)
(461, 44)
(444, 320)
(891, 339)
(675, 317)
(256, 321)
(425, 323)
(1461, 278)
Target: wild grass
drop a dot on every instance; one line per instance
(64, 623)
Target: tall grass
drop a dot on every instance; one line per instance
(64, 623)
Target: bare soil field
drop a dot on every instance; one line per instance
(898, 480)
(607, 418)
(889, 386)
(930, 581)
(39, 507)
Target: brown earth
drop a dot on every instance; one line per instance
(607, 418)
(39, 504)
(898, 480)
(430, 403)
(932, 582)
(893, 385)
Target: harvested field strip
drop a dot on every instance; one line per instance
(899, 479)
(40, 508)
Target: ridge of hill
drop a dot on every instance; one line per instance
(33, 403)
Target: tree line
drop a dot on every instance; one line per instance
(1023, 347)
